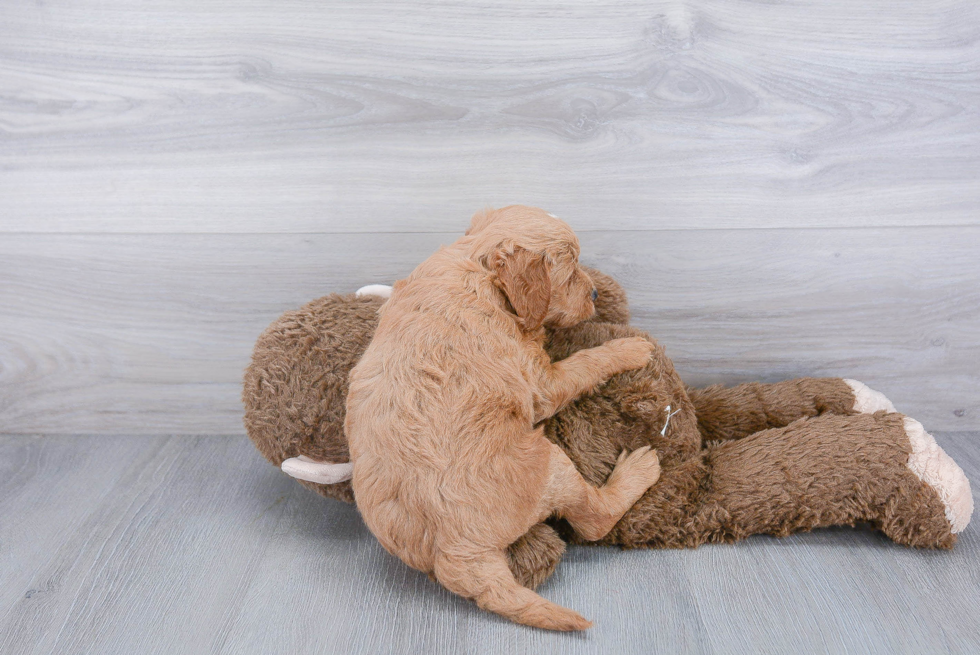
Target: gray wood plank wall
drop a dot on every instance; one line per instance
(785, 188)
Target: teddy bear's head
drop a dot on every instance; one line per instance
(295, 388)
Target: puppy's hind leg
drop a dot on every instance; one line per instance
(592, 511)
(485, 577)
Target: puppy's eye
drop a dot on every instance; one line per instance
(595, 295)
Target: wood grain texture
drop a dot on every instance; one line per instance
(150, 334)
(174, 175)
(195, 544)
(399, 117)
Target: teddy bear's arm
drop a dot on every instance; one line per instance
(787, 479)
(736, 412)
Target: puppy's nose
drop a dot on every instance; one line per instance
(595, 295)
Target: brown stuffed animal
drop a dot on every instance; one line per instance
(754, 458)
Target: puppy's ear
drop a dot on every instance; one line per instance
(524, 277)
(480, 220)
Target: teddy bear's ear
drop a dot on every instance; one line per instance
(481, 219)
(304, 468)
(525, 279)
(611, 305)
(380, 290)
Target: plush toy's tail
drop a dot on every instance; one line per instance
(486, 579)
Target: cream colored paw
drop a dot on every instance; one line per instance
(630, 352)
(867, 400)
(382, 290)
(635, 472)
(932, 465)
(304, 468)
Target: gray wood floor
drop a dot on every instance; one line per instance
(197, 545)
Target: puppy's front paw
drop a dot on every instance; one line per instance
(630, 353)
(635, 472)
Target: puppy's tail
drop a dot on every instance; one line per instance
(485, 578)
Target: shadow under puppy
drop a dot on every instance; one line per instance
(450, 464)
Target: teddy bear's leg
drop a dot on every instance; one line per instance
(533, 558)
(837, 470)
(736, 412)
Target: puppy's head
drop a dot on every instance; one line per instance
(533, 258)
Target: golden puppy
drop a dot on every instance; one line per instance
(449, 468)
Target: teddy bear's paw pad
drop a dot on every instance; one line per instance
(867, 400)
(932, 465)
(304, 468)
(382, 290)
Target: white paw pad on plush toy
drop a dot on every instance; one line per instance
(867, 400)
(304, 468)
(932, 465)
(382, 290)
